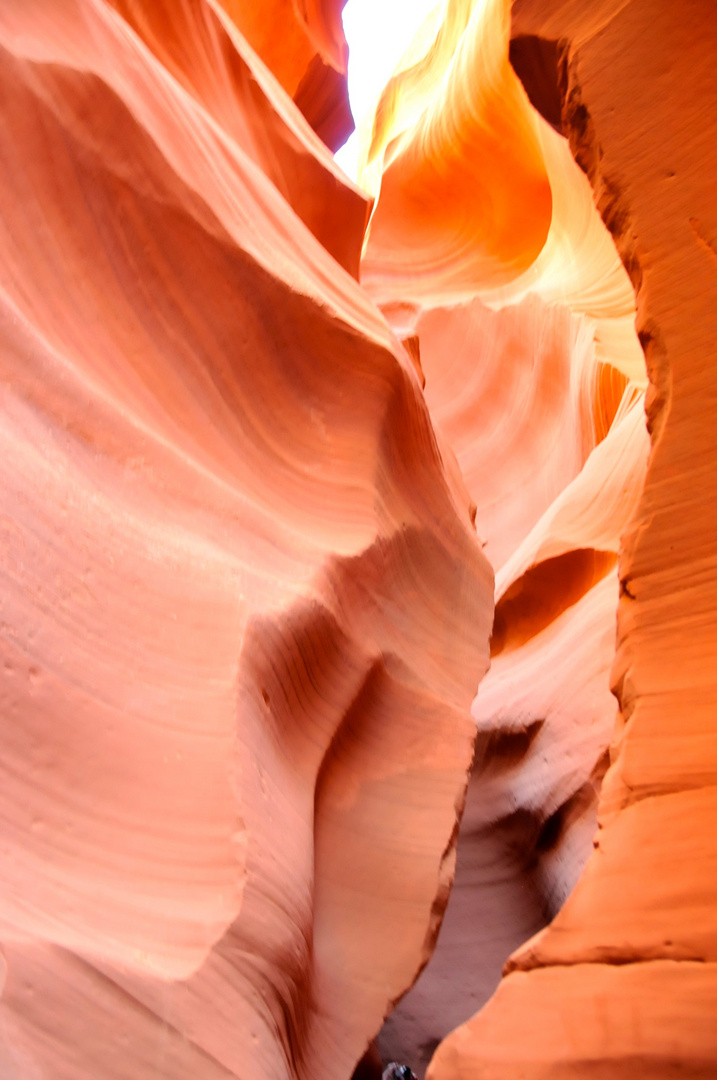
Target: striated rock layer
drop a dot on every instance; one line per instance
(543, 409)
(622, 983)
(552, 444)
(534, 379)
(302, 42)
(243, 609)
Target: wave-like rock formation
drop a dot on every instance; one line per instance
(544, 411)
(243, 612)
(285, 461)
(303, 45)
(622, 982)
(552, 444)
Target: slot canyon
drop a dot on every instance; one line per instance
(358, 543)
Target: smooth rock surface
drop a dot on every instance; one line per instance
(243, 612)
(640, 97)
(273, 474)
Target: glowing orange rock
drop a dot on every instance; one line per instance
(304, 46)
(465, 198)
(641, 901)
(279, 36)
(287, 34)
(623, 983)
(244, 611)
(201, 51)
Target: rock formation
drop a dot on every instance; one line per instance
(621, 982)
(243, 610)
(276, 479)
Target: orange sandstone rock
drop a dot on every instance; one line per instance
(465, 199)
(641, 1020)
(622, 983)
(243, 610)
(535, 384)
(303, 43)
(287, 32)
(544, 712)
(554, 543)
(513, 393)
(201, 51)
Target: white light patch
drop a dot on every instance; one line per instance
(378, 33)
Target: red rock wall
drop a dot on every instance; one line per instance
(623, 983)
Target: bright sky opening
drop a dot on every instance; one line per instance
(378, 33)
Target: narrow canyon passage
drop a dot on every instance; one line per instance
(358, 565)
(536, 389)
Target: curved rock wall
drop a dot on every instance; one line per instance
(262, 524)
(622, 983)
(243, 612)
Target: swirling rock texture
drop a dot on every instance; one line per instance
(622, 982)
(260, 522)
(303, 44)
(486, 250)
(243, 612)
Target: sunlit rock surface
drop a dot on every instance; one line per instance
(465, 198)
(552, 445)
(243, 612)
(262, 525)
(303, 43)
(622, 983)
(529, 408)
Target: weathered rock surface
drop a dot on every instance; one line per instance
(534, 381)
(465, 198)
(243, 614)
(303, 44)
(545, 704)
(592, 1020)
(245, 611)
(554, 460)
(622, 983)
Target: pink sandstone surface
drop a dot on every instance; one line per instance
(263, 522)
(227, 539)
